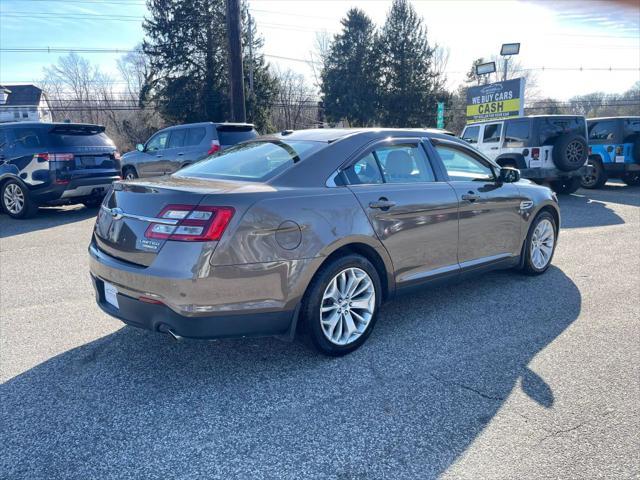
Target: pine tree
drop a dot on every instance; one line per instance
(188, 49)
(349, 80)
(408, 78)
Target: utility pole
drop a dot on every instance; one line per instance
(504, 71)
(238, 113)
(250, 53)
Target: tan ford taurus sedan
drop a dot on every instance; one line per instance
(311, 230)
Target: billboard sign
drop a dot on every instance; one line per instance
(495, 101)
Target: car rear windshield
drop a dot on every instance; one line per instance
(232, 135)
(551, 128)
(252, 161)
(80, 140)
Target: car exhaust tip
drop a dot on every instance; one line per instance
(166, 329)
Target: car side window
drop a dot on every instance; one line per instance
(516, 133)
(405, 163)
(492, 133)
(177, 138)
(364, 171)
(158, 142)
(602, 130)
(195, 136)
(462, 167)
(471, 134)
(631, 129)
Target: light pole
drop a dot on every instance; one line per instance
(506, 51)
(485, 69)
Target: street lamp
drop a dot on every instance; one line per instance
(485, 69)
(506, 51)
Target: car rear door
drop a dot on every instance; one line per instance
(491, 139)
(490, 211)
(412, 210)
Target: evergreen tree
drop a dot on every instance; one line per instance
(349, 79)
(188, 49)
(408, 78)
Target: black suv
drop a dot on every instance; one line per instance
(54, 164)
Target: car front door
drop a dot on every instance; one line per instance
(412, 210)
(491, 137)
(152, 159)
(490, 211)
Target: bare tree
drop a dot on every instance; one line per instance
(296, 105)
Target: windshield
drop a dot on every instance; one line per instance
(231, 136)
(252, 161)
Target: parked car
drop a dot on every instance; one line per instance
(172, 148)
(54, 164)
(313, 227)
(545, 148)
(614, 151)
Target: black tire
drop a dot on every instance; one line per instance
(311, 304)
(570, 152)
(566, 185)
(528, 267)
(631, 178)
(28, 209)
(129, 173)
(597, 178)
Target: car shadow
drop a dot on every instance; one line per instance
(46, 217)
(616, 192)
(588, 208)
(437, 368)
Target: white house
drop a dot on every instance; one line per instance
(22, 103)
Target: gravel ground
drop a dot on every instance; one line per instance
(501, 377)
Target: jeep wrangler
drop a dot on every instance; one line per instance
(614, 151)
(545, 148)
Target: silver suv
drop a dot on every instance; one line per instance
(545, 148)
(172, 148)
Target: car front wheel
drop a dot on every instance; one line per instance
(632, 179)
(16, 200)
(341, 305)
(540, 244)
(595, 177)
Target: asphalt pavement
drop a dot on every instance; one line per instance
(501, 377)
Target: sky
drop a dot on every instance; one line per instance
(561, 36)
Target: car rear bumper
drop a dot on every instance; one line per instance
(75, 190)
(620, 168)
(551, 173)
(160, 318)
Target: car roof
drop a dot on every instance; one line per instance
(204, 124)
(330, 135)
(45, 124)
(628, 117)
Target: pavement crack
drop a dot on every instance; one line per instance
(468, 388)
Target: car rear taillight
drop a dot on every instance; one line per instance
(535, 153)
(193, 223)
(215, 146)
(54, 157)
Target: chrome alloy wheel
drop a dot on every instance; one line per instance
(347, 306)
(130, 175)
(542, 243)
(13, 198)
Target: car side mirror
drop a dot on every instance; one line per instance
(140, 147)
(509, 175)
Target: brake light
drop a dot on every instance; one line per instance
(193, 223)
(215, 146)
(116, 155)
(54, 157)
(535, 153)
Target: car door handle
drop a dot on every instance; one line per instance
(382, 204)
(158, 156)
(494, 148)
(180, 154)
(471, 197)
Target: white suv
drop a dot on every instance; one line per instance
(545, 148)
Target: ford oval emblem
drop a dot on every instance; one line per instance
(117, 213)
